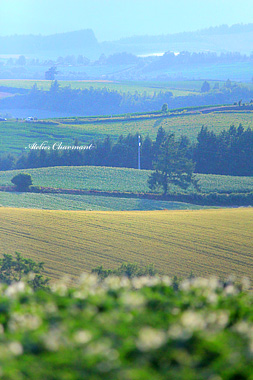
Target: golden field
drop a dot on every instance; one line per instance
(205, 242)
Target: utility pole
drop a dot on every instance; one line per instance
(139, 152)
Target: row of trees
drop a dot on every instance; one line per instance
(122, 153)
(89, 101)
(229, 153)
(124, 58)
(93, 101)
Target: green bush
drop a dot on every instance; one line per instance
(22, 181)
(14, 269)
(128, 270)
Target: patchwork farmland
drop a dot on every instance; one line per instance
(15, 136)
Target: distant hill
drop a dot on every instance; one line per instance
(187, 36)
(81, 40)
(236, 38)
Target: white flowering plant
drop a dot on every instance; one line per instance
(126, 329)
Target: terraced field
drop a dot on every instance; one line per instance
(205, 242)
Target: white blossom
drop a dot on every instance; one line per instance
(150, 339)
(193, 321)
(133, 300)
(82, 336)
(15, 348)
(15, 288)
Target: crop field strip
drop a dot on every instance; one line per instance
(180, 89)
(132, 86)
(88, 202)
(189, 124)
(206, 242)
(16, 136)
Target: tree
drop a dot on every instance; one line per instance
(172, 167)
(22, 181)
(34, 89)
(160, 138)
(206, 153)
(7, 162)
(50, 73)
(21, 60)
(205, 87)
(54, 87)
(228, 83)
(165, 108)
(147, 153)
(14, 269)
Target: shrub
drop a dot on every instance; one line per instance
(22, 181)
(14, 269)
(128, 270)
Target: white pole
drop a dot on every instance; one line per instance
(139, 152)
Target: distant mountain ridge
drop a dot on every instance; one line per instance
(183, 36)
(220, 39)
(24, 44)
(235, 38)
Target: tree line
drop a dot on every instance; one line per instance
(187, 58)
(229, 152)
(124, 58)
(91, 101)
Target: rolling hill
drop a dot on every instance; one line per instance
(119, 179)
(204, 242)
(15, 136)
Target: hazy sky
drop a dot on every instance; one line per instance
(113, 19)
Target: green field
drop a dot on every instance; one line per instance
(118, 179)
(185, 86)
(16, 136)
(205, 242)
(178, 88)
(88, 202)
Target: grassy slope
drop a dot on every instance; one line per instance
(88, 202)
(117, 179)
(206, 242)
(178, 88)
(149, 86)
(16, 136)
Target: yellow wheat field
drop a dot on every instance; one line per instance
(205, 242)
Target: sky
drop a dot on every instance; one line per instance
(114, 19)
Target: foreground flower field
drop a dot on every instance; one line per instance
(121, 329)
